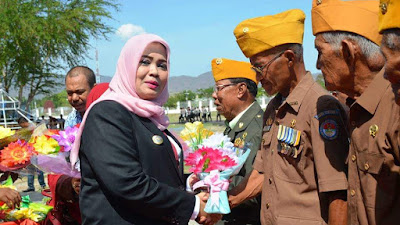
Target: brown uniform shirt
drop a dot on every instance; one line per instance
(374, 167)
(293, 188)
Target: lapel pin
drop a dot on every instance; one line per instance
(157, 139)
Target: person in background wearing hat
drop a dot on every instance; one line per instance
(234, 96)
(389, 27)
(347, 40)
(300, 167)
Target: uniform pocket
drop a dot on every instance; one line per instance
(370, 162)
(266, 139)
(374, 181)
(284, 220)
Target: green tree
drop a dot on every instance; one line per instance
(205, 92)
(60, 99)
(320, 80)
(40, 37)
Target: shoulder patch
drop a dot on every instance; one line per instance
(327, 112)
(329, 129)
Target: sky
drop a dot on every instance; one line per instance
(197, 31)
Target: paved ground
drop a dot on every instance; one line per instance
(22, 184)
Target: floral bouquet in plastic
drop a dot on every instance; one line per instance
(53, 150)
(28, 210)
(214, 160)
(8, 136)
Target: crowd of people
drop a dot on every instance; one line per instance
(195, 114)
(317, 156)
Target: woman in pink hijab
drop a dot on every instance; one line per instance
(131, 165)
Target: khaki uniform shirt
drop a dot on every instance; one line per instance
(293, 186)
(374, 162)
(247, 130)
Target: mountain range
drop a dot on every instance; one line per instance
(181, 83)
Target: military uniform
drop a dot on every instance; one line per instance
(374, 158)
(247, 130)
(302, 156)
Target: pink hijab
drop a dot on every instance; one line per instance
(122, 88)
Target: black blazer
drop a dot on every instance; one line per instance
(126, 177)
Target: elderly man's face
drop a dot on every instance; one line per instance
(392, 67)
(225, 98)
(272, 73)
(77, 89)
(332, 65)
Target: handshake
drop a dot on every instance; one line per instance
(203, 217)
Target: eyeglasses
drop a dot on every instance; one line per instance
(218, 88)
(259, 69)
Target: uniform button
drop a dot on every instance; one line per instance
(270, 181)
(366, 166)
(352, 192)
(267, 205)
(353, 158)
(353, 123)
(272, 151)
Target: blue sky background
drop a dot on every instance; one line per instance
(197, 31)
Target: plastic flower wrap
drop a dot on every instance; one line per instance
(16, 155)
(28, 210)
(6, 132)
(8, 136)
(214, 159)
(57, 161)
(34, 211)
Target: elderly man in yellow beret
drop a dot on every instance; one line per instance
(300, 165)
(347, 39)
(389, 27)
(235, 98)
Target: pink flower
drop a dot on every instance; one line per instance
(66, 138)
(206, 159)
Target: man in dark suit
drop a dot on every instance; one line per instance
(234, 94)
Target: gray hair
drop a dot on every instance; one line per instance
(296, 48)
(391, 39)
(368, 48)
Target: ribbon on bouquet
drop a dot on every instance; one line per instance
(218, 187)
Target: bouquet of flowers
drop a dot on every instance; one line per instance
(16, 150)
(213, 159)
(53, 149)
(46, 149)
(16, 155)
(28, 210)
(8, 136)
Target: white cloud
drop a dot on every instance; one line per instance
(129, 30)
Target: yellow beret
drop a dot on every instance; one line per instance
(227, 68)
(262, 33)
(356, 16)
(389, 14)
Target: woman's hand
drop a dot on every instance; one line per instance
(10, 197)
